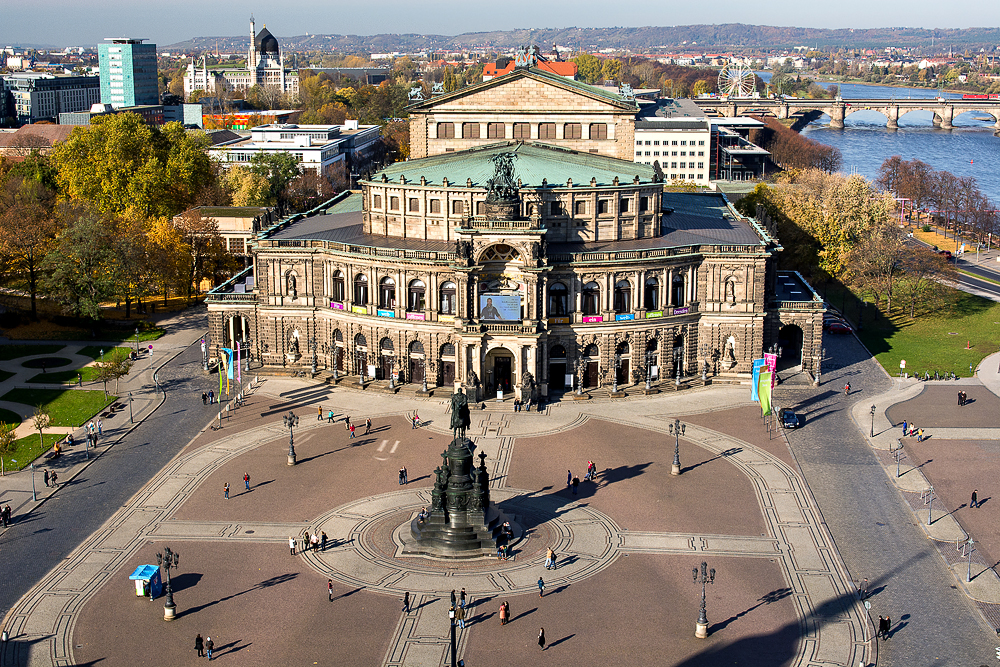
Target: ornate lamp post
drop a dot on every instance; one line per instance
(249, 348)
(137, 341)
(578, 378)
(650, 355)
(677, 430)
(451, 619)
(168, 559)
(618, 362)
(312, 348)
(392, 372)
(678, 352)
(423, 388)
(336, 360)
(873, 421)
(291, 421)
(130, 417)
(706, 576)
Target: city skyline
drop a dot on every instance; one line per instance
(71, 24)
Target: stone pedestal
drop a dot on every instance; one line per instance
(701, 630)
(169, 613)
(675, 469)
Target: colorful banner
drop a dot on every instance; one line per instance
(228, 361)
(772, 365)
(239, 374)
(624, 317)
(654, 313)
(757, 365)
(764, 391)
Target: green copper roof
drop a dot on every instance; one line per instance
(534, 163)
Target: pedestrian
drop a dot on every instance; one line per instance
(322, 541)
(5, 516)
(314, 541)
(541, 639)
(503, 613)
(920, 435)
(569, 478)
(305, 541)
(406, 478)
(460, 617)
(461, 599)
(368, 426)
(400, 477)
(863, 588)
(54, 479)
(209, 646)
(882, 630)
(506, 608)
(211, 397)
(246, 480)
(329, 417)
(406, 603)
(413, 421)
(888, 626)
(199, 646)
(959, 398)
(291, 545)
(548, 559)
(204, 401)
(352, 431)
(319, 414)
(965, 398)
(975, 499)
(100, 427)
(453, 598)
(847, 389)
(541, 587)
(329, 588)
(46, 477)
(347, 422)
(576, 483)
(225, 490)
(905, 425)
(553, 559)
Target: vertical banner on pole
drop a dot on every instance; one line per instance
(222, 362)
(757, 365)
(771, 361)
(229, 367)
(239, 374)
(764, 391)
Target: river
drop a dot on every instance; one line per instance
(968, 150)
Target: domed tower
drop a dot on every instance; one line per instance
(266, 47)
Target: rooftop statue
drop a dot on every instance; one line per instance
(502, 185)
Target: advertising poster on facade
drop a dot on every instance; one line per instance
(499, 307)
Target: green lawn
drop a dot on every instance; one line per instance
(27, 449)
(5, 375)
(65, 377)
(8, 352)
(8, 417)
(936, 341)
(66, 407)
(94, 351)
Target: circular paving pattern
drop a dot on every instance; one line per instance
(372, 557)
(47, 362)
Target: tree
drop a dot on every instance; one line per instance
(311, 189)
(207, 256)
(114, 366)
(279, 169)
(78, 269)
(588, 67)
(926, 279)
(874, 263)
(245, 187)
(28, 228)
(611, 70)
(120, 163)
(8, 436)
(701, 87)
(41, 421)
(168, 254)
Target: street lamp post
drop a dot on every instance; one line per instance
(102, 355)
(649, 366)
(677, 430)
(392, 372)
(706, 576)
(204, 355)
(969, 545)
(451, 619)
(677, 364)
(249, 348)
(34, 495)
(168, 559)
(930, 503)
(577, 378)
(336, 360)
(131, 419)
(618, 362)
(137, 341)
(897, 452)
(873, 421)
(423, 387)
(312, 348)
(291, 421)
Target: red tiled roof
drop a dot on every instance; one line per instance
(560, 68)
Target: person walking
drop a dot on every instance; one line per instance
(888, 627)
(204, 401)
(548, 559)
(291, 545)
(400, 477)
(329, 417)
(882, 630)
(46, 477)
(100, 427)
(541, 639)
(975, 499)
(305, 541)
(863, 588)
(199, 646)
(454, 600)
(920, 435)
(329, 588)
(319, 414)
(314, 542)
(569, 478)
(541, 587)
(246, 480)
(211, 397)
(352, 431)
(576, 483)
(503, 613)
(416, 418)
(847, 389)
(322, 541)
(368, 426)
(960, 398)
(905, 425)
(5, 516)
(460, 617)
(461, 599)
(347, 422)
(54, 478)
(225, 490)
(406, 603)
(209, 647)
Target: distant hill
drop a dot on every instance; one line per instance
(700, 37)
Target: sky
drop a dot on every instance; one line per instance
(76, 23)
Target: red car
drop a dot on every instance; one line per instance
(839, 328)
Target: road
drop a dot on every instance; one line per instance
(874, 529)
(38, 541)
(982, 269)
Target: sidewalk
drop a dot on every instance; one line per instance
(939, 522)
(183, 329)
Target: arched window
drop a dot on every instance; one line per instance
(558, 300)
(623, 296)
(337, 287)
(415, 296)
(360, 341)
(387, 293)
(416, 348)
(500, 252)
(558, 352)
(448, 350)
(338, 336)
(651, 295)
(678, 289)
(622, 349)
(591, 351)
(591, 301)
(361, 290)
(448, 300)
(386, 346)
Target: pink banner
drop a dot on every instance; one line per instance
(416, 316)
(771, 361)
(239, 377)
(593, 318)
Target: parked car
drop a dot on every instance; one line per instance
(829, 319)
(839, 328)
(789, 419)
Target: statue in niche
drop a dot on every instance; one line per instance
(527, 384)
(290, 285)
(293, 343)
(730, 292)
(729, 356)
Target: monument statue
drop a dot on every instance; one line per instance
(502, 185)
(460, 418)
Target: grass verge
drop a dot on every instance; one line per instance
(978, 277)
(27, 449)
(8, 352)
(936, 341)
(94, 351)
(66, 407)
(66, 377)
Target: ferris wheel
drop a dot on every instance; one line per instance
(737, 80)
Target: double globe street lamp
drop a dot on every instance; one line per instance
(677, 430)
(168, 559)
(291, 421)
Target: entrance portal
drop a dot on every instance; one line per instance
(790, 342)
(502, 373)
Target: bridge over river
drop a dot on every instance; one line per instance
(944, 110)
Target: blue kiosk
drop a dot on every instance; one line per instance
(147, 581)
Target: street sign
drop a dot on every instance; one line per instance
(902, 363)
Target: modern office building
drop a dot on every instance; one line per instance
(32, 97)
(128, 72)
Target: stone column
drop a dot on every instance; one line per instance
(670, 288)
(893, 114)
(837, 114)
(947, 115)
